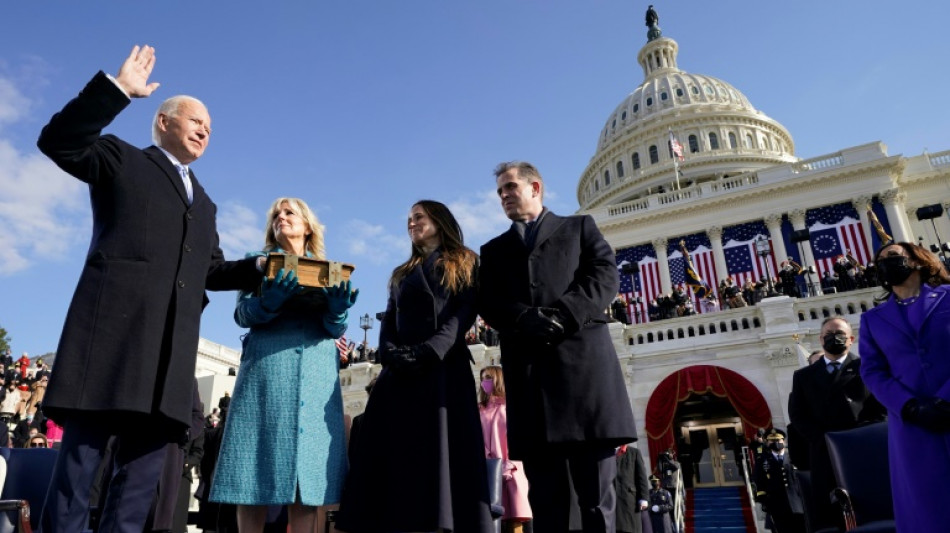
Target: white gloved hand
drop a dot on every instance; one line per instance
(655, 508)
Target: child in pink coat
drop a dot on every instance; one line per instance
(491, 407)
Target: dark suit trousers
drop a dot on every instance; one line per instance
(591, 470)
(138, 463)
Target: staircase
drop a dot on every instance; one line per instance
(721, 510)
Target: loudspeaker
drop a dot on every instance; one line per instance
(630, 268)
(800, 235)
(929, 211)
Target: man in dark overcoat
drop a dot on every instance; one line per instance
(126, 359)
(829, 395)
(544, 285)
(633, 489)
(775, 490)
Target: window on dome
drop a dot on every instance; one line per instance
(732, 140)
(713, 141)
(636, 107)
(693, 144)
(606, 178)
(623, 116)
(748, 141)
(614, 124)
(679, 91)
(663, 96)
(709, 90)
(619, 169)
(650, 101)
(654, 155)
(636, 160)
(694, 89)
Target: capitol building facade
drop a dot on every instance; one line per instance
(700, 382)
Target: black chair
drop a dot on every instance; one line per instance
(860, 463)
(29, 471)
(803, 477)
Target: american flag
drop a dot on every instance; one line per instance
(835, 229)
(676, 147)
(644, 284)
(742, 260)
(342, 345)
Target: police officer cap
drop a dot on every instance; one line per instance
(776, 434)
(654, 478)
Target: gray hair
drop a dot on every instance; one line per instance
(170, 108)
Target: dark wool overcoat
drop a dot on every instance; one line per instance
(573, 391)
(130, 340)
(419, 462)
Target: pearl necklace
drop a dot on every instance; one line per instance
(906, 301)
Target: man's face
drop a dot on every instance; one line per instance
(838, 327)
(185, 134)
(520, 199)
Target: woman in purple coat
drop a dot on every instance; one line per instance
(905, 343)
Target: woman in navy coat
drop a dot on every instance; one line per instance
(419, 464)
(904, 362)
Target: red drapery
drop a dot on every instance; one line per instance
(702, 379)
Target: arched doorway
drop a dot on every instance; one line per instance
(702, 411)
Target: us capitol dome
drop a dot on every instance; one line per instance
(716, 124)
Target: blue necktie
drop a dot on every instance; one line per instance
(833, 367)
(186, 179)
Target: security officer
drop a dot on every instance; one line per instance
(775, 487)
(661, 505)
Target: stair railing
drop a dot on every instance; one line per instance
(750, 492)
(679, 503)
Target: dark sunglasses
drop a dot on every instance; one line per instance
(37, 444)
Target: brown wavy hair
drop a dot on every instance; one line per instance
(498, 377)
(456, 263)
(932, 270)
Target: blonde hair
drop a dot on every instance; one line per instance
(313, 243)
(498, 378)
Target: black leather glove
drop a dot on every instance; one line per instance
(542, 323)
(410, 356)
(929, 413)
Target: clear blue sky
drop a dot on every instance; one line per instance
(361, 108)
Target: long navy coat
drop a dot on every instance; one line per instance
(130, 341)
(574, 391)
(904, 359)
(419, 462)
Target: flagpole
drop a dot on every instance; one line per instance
(676, 165)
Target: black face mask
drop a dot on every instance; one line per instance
(835, 344)
(777, 446)
(893, 270)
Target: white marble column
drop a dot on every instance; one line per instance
(659, 245)
(861, 204)
(774, 223)
(715, 238)
(893, 201)
(797, 217)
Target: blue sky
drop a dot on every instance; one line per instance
(361, 108)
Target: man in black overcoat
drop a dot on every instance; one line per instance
(633, 489)
(544, 285)
(126, 359)
(826, 399)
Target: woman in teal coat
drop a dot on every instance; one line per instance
(284, 441)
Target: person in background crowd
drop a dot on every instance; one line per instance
(289, 380)
(130, 340)
(904, 352)
(494, 415)
(544, 285)
(431, 476)
(829, 395)
(37, 440)
(661, 505)
(633, 489)
(54, 433)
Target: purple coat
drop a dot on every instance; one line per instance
(903, 359)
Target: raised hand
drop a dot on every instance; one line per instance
(274, 292)
(134, 72)
(341, 297)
